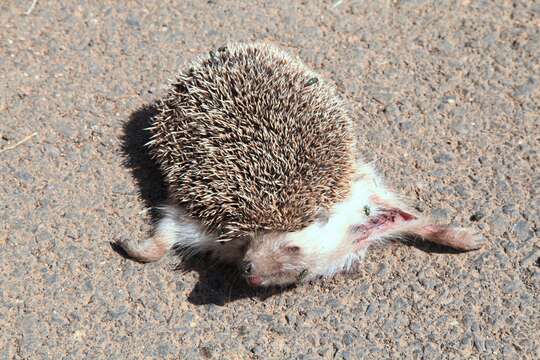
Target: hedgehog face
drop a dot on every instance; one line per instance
(279, 259)
(273, 259)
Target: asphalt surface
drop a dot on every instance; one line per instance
(446, 100)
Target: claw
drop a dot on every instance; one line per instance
(477, 240)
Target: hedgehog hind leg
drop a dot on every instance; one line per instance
(450, 236)
(174, 230)
(154, 248)
(149, 250)
(458, 238)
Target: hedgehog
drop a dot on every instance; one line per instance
(261, 163)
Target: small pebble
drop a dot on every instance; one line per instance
(348, 339)
(449, 100)
(509, 209)
(371, 309)
(443, 158)
(266, 317)
(163, 350)
(131, 20)
(527, 88)
(499, 224)
(479, 344)
(521, 230)
(258, 350)
(24, 176)
(477, 216)
(382, 270)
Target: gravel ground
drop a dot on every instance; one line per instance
(446, 99)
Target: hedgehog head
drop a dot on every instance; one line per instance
(283, 258)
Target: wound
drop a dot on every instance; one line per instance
(385, 219)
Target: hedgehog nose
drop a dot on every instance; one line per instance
(246, 267)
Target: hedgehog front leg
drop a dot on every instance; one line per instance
(173, 229)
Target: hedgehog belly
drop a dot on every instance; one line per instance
(249, 139)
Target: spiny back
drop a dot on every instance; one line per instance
(250, 139)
